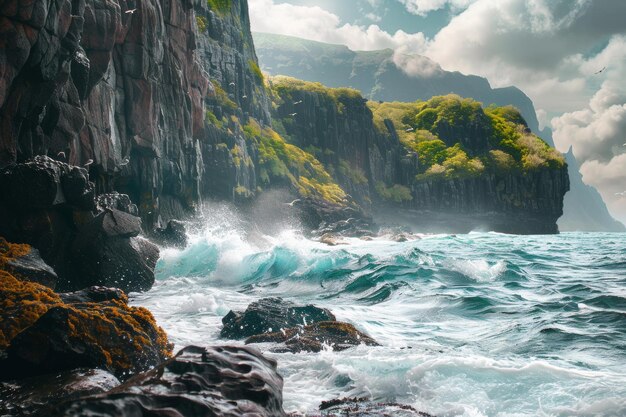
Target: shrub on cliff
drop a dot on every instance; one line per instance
(281, 161)
(455, 137)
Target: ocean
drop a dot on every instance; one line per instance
(481, 324)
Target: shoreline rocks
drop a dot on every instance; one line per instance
(214, 381)
(294, 328)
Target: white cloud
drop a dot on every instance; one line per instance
(373, 17)
(315, 23)
(423, 7)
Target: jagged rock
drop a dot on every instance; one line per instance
(215, 381)
(362, 407)
(44, 182)
(25, 263)
(36, 395)
(269, 315)
(339, 336)
(108, 252)
(43, 334)
(50, 206)
(175, 234)
(116, 201)
(93, 295)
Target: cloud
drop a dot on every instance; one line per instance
(315, 23)
(610, 179)
(423, 7)
(415, 65)
(536, 45)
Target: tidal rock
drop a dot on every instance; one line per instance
(36, 395)
(43, 334)
(270, 315)
(108, 252)
(26, 264)
(175, 234)
(215, 381)
(337, 335)
(94, 295)
(362, 407)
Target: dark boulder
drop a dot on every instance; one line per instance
(117, 201)
(108, 252)
(36, 395)
(216, 381)
(175, 234)
(363, 407)
(94, 295)
(339, 336)
(26, 264)
(44, 182)
(269, 315)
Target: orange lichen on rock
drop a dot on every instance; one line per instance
(21, 305)
(112, 334)
(10, 251)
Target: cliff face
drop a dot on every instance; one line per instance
(164, 101)
(376, 75)
(442, 165)
(126, 85)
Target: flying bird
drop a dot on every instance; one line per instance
(125, 162)
(232, 84)
(61, 155)
(244, 96)
(598, 72)
(89, 162)
(410, 129)
(622, 194)
(131, 11)
(297, 102)
(293, 203)
(293, 114)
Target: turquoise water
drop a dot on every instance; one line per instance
(482, 324)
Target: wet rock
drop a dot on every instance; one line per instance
(175, 234)
(94, 295)
(215, 381)
(36, 395)
(43, 334)
(270, 315)
(43, 183)
(26, 264)
(108, 252)
(362, 407)
(337, 335)
(116, 201)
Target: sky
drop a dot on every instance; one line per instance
(568, 56)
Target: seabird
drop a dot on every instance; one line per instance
(293, 203)
(297, 102)
(244, 96)
(602, 70)
(131, 11)
(293, 114)
(89, 162)
(232, 84)
(410, 129)
(125, 162)
(61, 155)
(622, 194)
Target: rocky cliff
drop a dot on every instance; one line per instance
(377, 76)
(446, 164)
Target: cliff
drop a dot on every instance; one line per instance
(445, 164)
(377, 76)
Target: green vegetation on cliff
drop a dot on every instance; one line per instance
(219, 6)
(456, 137)
(280, 161)
(285, 86)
